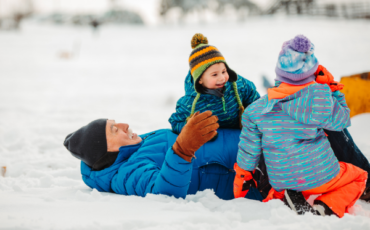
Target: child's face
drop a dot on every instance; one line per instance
(215, 76)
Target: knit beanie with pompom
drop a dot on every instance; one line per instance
(204, 56)
(297, 63)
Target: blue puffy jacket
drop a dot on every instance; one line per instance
(152, 167)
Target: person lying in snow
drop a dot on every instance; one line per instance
(113, 159)
(212, 85)
(288, 124)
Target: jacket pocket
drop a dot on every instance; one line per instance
(215, 168)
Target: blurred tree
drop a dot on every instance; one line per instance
(185, 7)
(242, 7)
(13, 12)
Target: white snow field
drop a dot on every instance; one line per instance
(53, 80)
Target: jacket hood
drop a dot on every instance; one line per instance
(189, 85)
(288, 102)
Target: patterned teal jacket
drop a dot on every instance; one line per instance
(290, 134)
(226, 108)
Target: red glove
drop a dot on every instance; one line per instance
(323, 76)
(242, 182)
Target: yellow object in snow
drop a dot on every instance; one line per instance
(357, 92)
(3, 171)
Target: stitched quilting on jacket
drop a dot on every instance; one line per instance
(152, 167)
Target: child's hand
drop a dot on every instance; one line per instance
(243, 182)
(323, 76)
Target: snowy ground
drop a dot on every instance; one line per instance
(135, 75)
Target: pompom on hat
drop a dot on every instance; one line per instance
(297, 63)
(198, 39)
(301, 44)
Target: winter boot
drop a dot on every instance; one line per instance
(296, 201)
(366, 195)
(322, 208)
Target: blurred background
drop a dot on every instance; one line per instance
(64, 63)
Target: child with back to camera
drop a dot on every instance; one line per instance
(288, 124)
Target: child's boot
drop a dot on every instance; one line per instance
(366, 195)
(296, 201)
(322, 208)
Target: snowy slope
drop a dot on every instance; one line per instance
(135, 75)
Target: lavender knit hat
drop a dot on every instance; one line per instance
(297, 63)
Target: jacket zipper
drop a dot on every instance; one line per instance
(148, 135)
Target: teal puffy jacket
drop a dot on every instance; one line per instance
(226, 108)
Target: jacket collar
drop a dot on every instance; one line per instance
(126, 151)
(269, 104)
(216, 92)
(124, 154)
(285, 89)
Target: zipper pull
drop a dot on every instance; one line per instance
(223, 104)
(148, 135)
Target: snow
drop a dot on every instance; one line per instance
(54, 80)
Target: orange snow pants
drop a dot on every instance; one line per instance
(340, 193)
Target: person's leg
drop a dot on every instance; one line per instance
(261, 177)
(347, 151)
(343, 191)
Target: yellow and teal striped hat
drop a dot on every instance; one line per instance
(202, 57)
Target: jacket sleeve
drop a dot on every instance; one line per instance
(173, 178)
(250, 144)
(146, 176)
(249, 92)
(183, 109)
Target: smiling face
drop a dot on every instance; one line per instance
(215, 76)
(119, 134)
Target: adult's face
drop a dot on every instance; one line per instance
(119, 134)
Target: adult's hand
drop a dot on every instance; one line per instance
(200, 128)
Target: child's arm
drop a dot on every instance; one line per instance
(341, 113)
(249, 92)
(321, 108)
(178, 119)
(250, 144)
(340, 98)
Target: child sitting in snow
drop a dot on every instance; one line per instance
(287, 125)
(212, 85)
